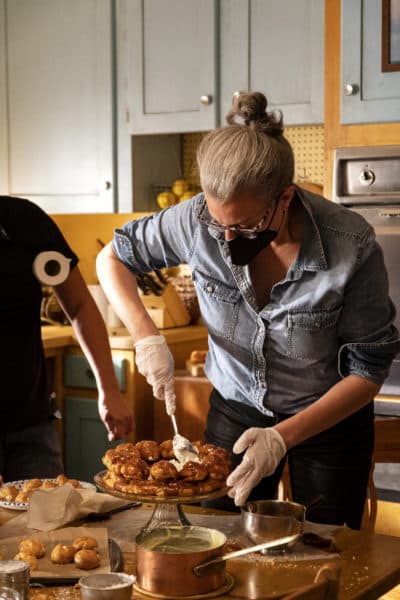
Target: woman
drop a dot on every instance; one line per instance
(294, 293)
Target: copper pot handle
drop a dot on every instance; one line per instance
(198, 569)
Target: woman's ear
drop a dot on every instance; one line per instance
(287, 196)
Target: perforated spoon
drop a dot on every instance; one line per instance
(183, 449)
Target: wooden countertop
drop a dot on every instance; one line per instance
(369, 563)
(62, 336)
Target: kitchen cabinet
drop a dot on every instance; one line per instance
(56, 103)
(275, 47)
(172, 49)
(368, 94)
(187, 58)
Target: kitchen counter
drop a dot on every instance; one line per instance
(54, 336)
(364, 574)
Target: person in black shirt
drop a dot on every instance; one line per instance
(29, 445)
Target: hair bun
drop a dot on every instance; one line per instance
(251, 107)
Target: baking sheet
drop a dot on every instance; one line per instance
(52, 574)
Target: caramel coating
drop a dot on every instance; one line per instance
(33, 547)
(149, 450)
(166, 449)
(85, 542)
(28, 558)
(87, 559)
(198, 356)
(62, 554)
(193, 471)
(48, 485)
(163, 469)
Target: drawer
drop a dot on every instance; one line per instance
(78, 373)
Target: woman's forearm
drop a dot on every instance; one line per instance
(342, 400)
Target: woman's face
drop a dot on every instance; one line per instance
(244, 211)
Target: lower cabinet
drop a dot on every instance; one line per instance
(87, 438)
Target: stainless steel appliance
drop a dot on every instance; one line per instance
(367, 180)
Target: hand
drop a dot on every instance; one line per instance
(155, 361)
(265, 449)
(115, 414)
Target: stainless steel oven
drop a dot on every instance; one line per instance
(367, 180)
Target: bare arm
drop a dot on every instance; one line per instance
(343, 399)
(121, 289)
(80, 308)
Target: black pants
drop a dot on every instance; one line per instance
(332, 466)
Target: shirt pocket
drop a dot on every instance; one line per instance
(219, 304)
(313, 334)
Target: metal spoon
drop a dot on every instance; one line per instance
(198, 569)
(183, 449)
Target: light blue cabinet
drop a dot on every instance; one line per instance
(172, 47)
(188, 57)
(84, 433)
(368, 94)
(56, 104)
(276, 47)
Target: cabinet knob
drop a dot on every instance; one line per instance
(107, 185)
(206, 100)
(350, 89)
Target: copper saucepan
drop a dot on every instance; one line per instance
(183, 561)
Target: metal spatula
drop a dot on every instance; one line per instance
(183, 449)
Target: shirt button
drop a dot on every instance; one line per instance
(209, 288)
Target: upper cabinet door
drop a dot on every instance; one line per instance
(369, 95)
(276, 47)
(56, 103)
(172, 46)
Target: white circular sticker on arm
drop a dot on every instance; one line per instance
(51, 268)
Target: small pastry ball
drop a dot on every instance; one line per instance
(28, 558)
(32, 546)
(85, 542)
(48, 485)
(23, 496)
(87, 559)
(31, 484)
(61, 479)
(61, 554)
(74, 482)
(9, 492)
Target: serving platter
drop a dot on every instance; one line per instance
(19, 484)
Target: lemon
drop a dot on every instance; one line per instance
(186, 196)
(179, 187)
(165, 199)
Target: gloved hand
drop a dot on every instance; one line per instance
(155, 361)
(265, 448)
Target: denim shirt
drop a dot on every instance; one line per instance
(331, 315)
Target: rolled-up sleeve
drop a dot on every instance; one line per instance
(369, 339)
(161, 240)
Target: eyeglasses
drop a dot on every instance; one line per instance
(246, 232)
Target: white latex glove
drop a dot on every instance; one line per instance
(265, 448)
(155, 361)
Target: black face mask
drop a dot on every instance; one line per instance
(243, 250)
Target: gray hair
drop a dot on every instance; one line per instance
(251, 156)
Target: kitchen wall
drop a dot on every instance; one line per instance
(82, 232)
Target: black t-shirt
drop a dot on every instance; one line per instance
(25, 231)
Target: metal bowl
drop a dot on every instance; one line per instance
(265, 520)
